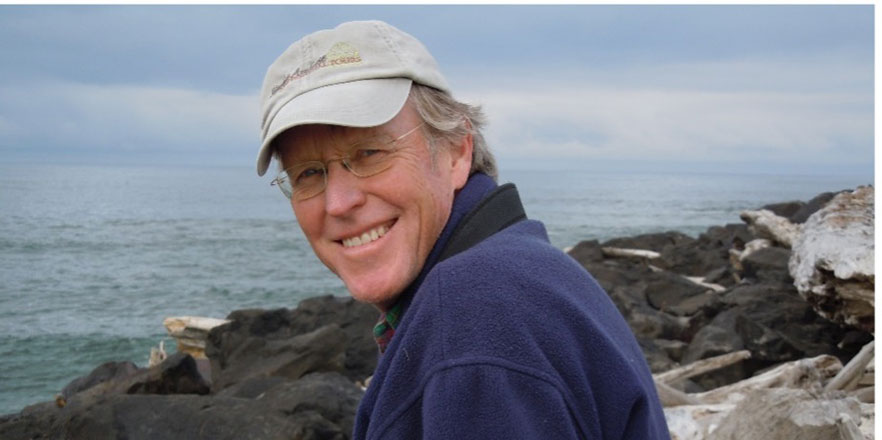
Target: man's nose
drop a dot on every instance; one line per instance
(343, 191)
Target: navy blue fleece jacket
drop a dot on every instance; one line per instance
(511, 339)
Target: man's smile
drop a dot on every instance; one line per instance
(367, 236)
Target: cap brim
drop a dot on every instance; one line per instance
(364, 103)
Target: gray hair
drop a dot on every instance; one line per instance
(448, 120)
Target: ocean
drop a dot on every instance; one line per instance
(93, 258)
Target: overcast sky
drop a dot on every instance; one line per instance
(669, 88)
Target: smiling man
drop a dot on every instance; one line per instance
(486, 330)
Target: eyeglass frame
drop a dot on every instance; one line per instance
(343, 159)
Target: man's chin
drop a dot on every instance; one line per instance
(380, 297)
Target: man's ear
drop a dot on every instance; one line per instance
(461, 159)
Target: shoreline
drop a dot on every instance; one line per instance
(676, 319)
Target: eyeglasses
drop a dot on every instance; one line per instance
(364, 159)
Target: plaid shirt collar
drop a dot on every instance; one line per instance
(385, 327)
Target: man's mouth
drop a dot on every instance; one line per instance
(367, 237)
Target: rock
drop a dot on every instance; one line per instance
(106, 372)
(651, 242)
(785, 209)
(178, 374)
(692, 260)
(767, 264)
(833, 261)
(706, 254)
(811, 207)
(782, 413)
(291, 357)
(674, 349)
(765, 224)
(251, 333)
(667, 290)
(657, 359)
(732, 235)
(587, 251)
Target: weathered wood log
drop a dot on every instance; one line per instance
(866, 394)
(848, 429)
(833, 261)
(808, 373)
(629, 253)
(766, 224)
(671, 397)
(190, 332)
(700, 367)
(693, 422)
(851, 372)
(711, 286)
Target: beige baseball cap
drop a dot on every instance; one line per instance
(358, 75)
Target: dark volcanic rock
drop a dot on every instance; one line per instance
(707, 254)
(771, 321)
(108, 371)
(652, 242)
(811, 207)
(767, 264)
(252, 333)
(318, 406)
(785, 209)
(291, 357)
(667, 291)
(657, 359)
(587, 251)
(178, 374)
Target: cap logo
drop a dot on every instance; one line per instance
(339, 55)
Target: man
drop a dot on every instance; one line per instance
(487, 331)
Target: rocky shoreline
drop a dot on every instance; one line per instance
(772, 291)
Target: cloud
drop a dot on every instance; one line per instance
(74, 118)
(684, 112)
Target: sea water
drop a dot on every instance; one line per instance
(93, 258)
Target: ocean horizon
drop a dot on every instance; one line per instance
(94, 257)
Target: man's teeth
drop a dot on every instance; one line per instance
(365, 238)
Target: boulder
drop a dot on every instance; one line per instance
(106, 372)
(318, 406)
(811, 207)
(833, 261)
(587, 251)
(767, 264)
(773, 323)
(651, 242)
(291, 357)
(255, 333)
(785, 209)
(666, 291)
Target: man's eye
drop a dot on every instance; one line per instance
(307, 174)
(368, 153)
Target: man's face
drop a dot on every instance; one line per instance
(410, 202)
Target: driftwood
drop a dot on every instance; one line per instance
(672, 397)
(766, 224)
(629, 253)
(807, 373)
(823, 414)
(700, 367)
(848, 377)
(833, 262)
(190, 332)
